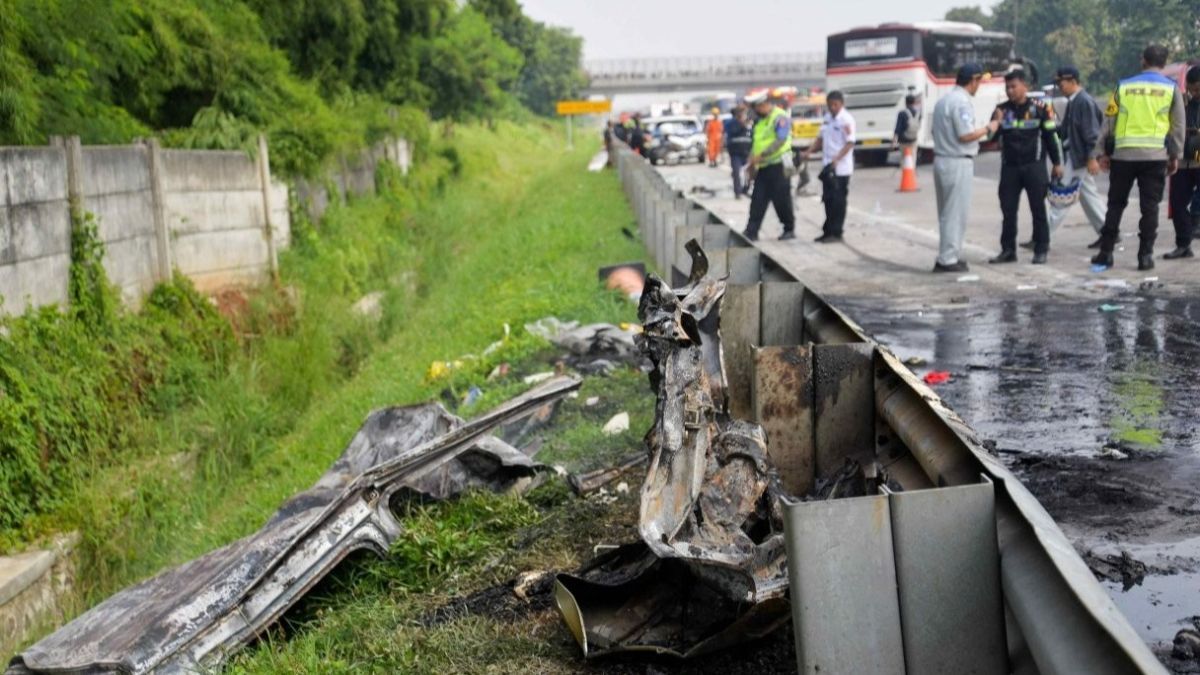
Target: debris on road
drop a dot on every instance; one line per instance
(968, 278)
(936, 377)
(192, 617)
(1186, 646)
(1120, 568)
(914, 361)
(619, 424)
(1111, 308)
(1026, 287)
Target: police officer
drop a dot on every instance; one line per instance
(1027, 133)
(1185, 184)
(1144, 111)
(771, 141)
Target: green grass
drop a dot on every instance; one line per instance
(501, 228)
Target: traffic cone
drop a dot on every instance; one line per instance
(908, 176)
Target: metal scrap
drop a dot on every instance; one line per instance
(190, 618)
(710, 570)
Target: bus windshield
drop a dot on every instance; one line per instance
(945, 53)
(872, 47)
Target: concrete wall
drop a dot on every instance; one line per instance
(213, 204)
(352, 177)
(35, 230)
(34, 588)
(202, 212)
(117, 190)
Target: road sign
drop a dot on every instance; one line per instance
(583, 107)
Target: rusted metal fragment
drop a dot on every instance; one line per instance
(190, 618)
(783, 405)
(844, 405)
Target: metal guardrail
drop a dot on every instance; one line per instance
(1060, 620)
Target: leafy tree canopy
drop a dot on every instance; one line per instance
(320, 76)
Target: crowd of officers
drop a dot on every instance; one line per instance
(1148, 134)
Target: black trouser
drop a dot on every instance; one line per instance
(1151, 177)
(737, 163)
(1185, 185)
(1033, 180)
(834, 191)
(771, 185)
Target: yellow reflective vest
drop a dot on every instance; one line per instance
(764, 136)
(1143, 111)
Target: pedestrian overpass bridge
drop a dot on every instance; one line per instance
(609, 77)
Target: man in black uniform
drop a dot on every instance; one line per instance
(1027, 132)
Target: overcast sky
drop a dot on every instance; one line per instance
(629, 28)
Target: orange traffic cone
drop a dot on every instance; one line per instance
(908, 176)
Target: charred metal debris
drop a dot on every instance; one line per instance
(192, 617)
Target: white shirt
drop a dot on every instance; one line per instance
(836, 132)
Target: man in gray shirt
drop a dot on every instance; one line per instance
(955, 145)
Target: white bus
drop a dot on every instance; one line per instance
(877, 67)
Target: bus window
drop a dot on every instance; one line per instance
(872, 47)
(946, 53)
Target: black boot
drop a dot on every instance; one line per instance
(1027, 244)
(1096, 244)
(1179, 252)
(1039, 258)
(1103, 258)
(1145, 262)
(1004, 257)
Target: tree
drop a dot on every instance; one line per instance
(553, 57)
(971, 14)
(468, 68)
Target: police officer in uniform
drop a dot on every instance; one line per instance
(771, 141)
(1185, 184)
(1145, 123)
(1027, 133)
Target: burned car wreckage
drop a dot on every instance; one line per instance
(789, 476)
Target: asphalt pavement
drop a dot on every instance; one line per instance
(1084, 381)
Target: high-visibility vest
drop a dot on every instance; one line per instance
(1144, 111)
(764, 136)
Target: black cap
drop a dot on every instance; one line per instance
(969, 71)
(1067, 73)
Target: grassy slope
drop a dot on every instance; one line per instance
(517, 236)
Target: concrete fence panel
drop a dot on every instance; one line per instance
(35, 228)
(216, 216)
(117, 189)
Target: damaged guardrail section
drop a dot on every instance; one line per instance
(893, 508)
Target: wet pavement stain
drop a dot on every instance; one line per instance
(1096, 411)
